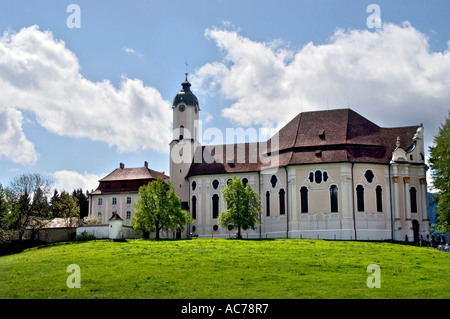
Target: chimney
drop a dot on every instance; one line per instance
(122, 165)
(146, 164)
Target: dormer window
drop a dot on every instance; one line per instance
(322, 135)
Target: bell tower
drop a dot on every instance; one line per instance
(185, 139)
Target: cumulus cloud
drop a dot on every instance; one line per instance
(14, 146)
(39, 74)
(389, 75)
(70, 180)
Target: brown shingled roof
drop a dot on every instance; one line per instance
(124, 174)
(340, 135)
(127, 179)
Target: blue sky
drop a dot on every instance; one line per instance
(78, 101)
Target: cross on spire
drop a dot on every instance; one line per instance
(186, 73)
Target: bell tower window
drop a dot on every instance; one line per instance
(181, 132)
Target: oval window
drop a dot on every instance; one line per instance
(369, 175)
(273, 181)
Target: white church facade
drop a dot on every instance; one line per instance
(326, 174)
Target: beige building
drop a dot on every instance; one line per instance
(326, 174)
(118, 191)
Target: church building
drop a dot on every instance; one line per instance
(326, 174)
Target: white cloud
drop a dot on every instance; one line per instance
(70, 180)
(132, 51)
(389, 75)
(13, 144)
(39, 74)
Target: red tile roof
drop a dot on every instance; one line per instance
(127, 179)
(124, 174)
(313, 137)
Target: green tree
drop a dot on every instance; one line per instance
(68, 208)
(83, 201)
(440, 171)
(4, 206)
(243, 207)
(5, 209)
(54, 204)
(159, 209)
(40, 212)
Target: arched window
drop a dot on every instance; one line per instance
(304, 199)
(267, 203)
(360, 198)
(318, 177)
(194, 185)
(334, 199)
(281, 194)
(245, 181)
(215, 206)
(379, 195)
(215, 184)
(413, 197)
(311, 177)
(181, 132)
(194, 207)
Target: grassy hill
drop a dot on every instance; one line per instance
(221, 268)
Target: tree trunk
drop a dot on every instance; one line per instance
(239, 236)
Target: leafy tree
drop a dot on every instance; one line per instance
(243, 206)
(159, 209)
(68, 208)
(440, 166)
(5, 209)
(92, 220)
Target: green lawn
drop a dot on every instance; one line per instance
(221, 268)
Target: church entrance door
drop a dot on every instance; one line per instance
(416, 227)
